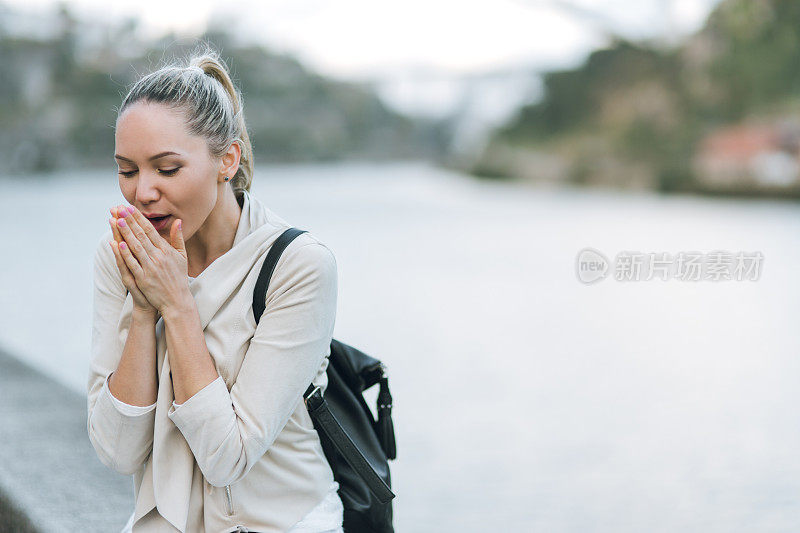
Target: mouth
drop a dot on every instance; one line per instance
(160, 223)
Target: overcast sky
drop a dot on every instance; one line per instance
(422, 57)
(356, 39)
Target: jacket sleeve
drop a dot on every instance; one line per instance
(122, 437)
(228, 432)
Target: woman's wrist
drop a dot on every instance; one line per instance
(145, 315)
(183, 306)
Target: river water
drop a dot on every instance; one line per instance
(525, 400)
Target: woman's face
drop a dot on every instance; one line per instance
(163, 170)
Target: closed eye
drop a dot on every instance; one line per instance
(170, 172)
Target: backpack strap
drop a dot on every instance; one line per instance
(262, 284)
(315, 402)
(267, 268)
(325, 420)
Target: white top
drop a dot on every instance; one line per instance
(327, 517)
(243, 450)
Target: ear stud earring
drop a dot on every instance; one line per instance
(226, 178)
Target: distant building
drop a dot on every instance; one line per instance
(750, 156)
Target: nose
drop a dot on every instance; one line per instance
(147, 188)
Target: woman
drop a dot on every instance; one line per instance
(185, 393)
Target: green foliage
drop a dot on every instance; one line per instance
(572, 98)
(759, 59)
(652, 106)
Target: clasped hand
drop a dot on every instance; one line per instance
(153, 270)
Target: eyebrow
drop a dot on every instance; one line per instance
(162, 154)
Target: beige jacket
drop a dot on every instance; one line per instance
(242, 451)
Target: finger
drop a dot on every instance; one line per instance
(130, 261)
(147, 244)
(176, 236)
(134, 243)
(115, 230)
(115, 211)
(149, 229)
(125, 272)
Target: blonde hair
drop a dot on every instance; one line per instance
(202, 89)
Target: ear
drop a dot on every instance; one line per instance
(229, 164)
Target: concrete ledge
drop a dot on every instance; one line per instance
(13, 519)
(50, 476)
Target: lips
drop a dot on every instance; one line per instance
(160, 223)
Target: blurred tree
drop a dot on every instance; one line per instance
(65, 45)
(58, 107)
(648, 107)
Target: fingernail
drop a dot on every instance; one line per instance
(180, 223)
(121, 222)
(130, 209)
(124, 213)
(123, 246)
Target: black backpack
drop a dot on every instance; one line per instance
(357, 446)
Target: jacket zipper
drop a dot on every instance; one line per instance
(230, 499)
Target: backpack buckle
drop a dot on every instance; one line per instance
(310, 394)
(313, 401)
